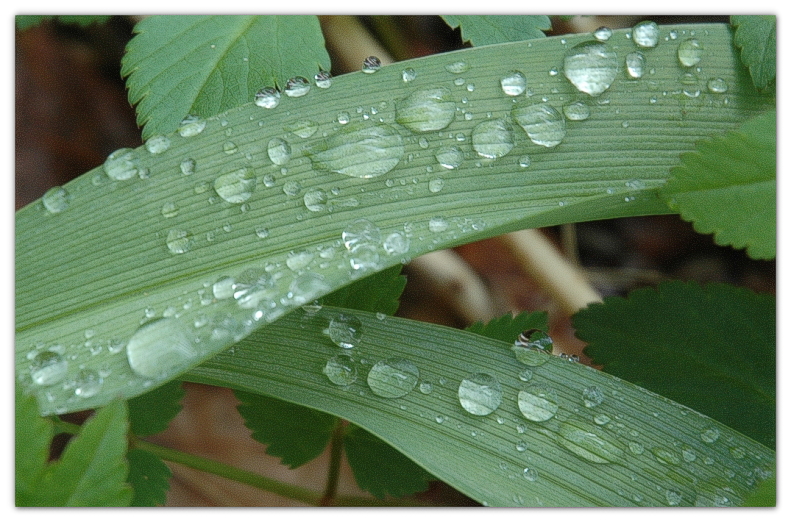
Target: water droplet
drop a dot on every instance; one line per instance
(426, 110)
(159, 346)
(315, 200)
(345, 330)
(717, 85)
(268, 98)
(582, 441)
(251, 287)
(292, 188)
(297, 86)
(673, 34)
(323, 79)
(187, 166)
(591, 67)
(530, 474)
(532, 347)
(279, 151)
(636, 448)
(577, 111)
(538, 403)
(690, 52)
(359, 150)
(297, 260)
(553, 71)
(602, 34)
(49, 367)
(457, 67)
(480, 394)
(635, 64)
(191, 125)
(344, 118)
(236, 186)
(360, 232)
(121, 165)
(157, 144)
(303, 128)
(306, 287)
(449, 157)
(426, 388)
(542, 123)
(601, 419)
(493, 138)
(524, 161)
(646, 34)
(437, 224)
(56, 200)
(341, 370)
(514, 83)
(673, 497)
(665, 456)
(396, 244)
(440, 419)
(393, 378)
(436, 185)
(408, 75)
(371, 65)
(269, 180)
(229, 147)
(710, 435)
(592, 396)
(179, 241)
(87, 384)
(170, 210)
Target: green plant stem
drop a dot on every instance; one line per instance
(336, 451)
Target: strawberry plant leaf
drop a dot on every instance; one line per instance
(491, 29)
(151, 412)
(149, 477)
(508, 327)
(379, 468)
(711, 348)
(25, 21)
(202, 65)
(378, 292)
(294, 433)
(32, 439)
(757, 37)
(727, 186)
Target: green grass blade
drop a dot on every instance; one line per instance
(148, 250)
(660, 453)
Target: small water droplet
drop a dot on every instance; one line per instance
(717, 85)
(170, 210)
(542, 123)
(591, 67)
(396, 244)
(690, 52)
(268, 98)
(229, 147)
(436, 185)
(323, 79)
(426, 388)
(635, 64)
(636, 448)
(371, 65)
(602, 34)
(665, 456)
(159, 346)
(315, 200)
(251, 287)
(493, 138)
(306, 287)
(157, 144)
(187, 166)
(538, 403)
(279, 151)
(121, 165)
(408, 75)
(56, 200)
(514, 83)
(344, 118)
(341, 370)
(710, 435)
(87, 384)
(553, 71)
(303, 128)
(525, 161)
(673, 498)
(449, 157)
(589, 442)
(480, 394)
(236, 186)
(49, 367)
(345, 330)
(426, 110)
(601, 419)
(360, 232)
(393, 378)
(191, 125)
(179, 241)
(297, 86)
(577, 111)
(440, 419)
(437, 224)
(592, 396)
(359, 150)
(646, 34)
(297, 260)
(530, 474)
(457, 67)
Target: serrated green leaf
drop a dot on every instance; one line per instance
(380, 469)
(151, 412)
(180, 65)
(379, 292)
(479, 455)
(149, 477)
(492, 29)
(711, 348)
(294, 433)
(757, 36)
(508, 327)
(728, 187)
(25, 21)
(32, 438)
(92, 470)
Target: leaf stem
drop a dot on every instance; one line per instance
(333, 474)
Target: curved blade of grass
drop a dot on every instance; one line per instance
(89, 276)
(659, 452)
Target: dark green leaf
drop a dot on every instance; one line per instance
(33, 435)
(376, 293)
(294, 433)
(508, 327)
(711, 348)
(151, 412)
(727, 186)
(764, 496)
(757, 37)
(25, 21)
(380, 469)
(491, 29)
(149, 477)
(203, 65)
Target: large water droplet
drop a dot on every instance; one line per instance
(493, 138)
(121, 165)
(426, 110)
(158, 347)
(157, 144)
(359, 150)
(297, 86)
(341, 370)
(457, 67)
(538, 403)
(589, 442)
(223, 288)
(532, 347)
(268, 98)
(514, 83)
(56, 200)
(345, 330)
(542, 123)
(307, 287)
(49, 367)
(450, 157)
(591, 67)
(393, 378)
(576, 111)
(690, 52)
(646, 34)
(635, 64)
(315, 200)
(191, 126)
(480, 394)
(360, 232)
(279, 151)
(298, 260)
(179, 241)
(323, 79)
(371, 65)
(236, 186)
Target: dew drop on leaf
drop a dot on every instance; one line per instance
(345, 330)
(297, 87)
(690, 52)
(576, 111)
(157, 144)
(480, 394)
(426, 110)
(717, 85)
(493, 138)
(393, 378)
(408, 75)
(542, 123)
(371, 65)
(341, 370)
(187, 166)
(646, 34)
(191, 125)
(449, 157)
(635, 64)
(315, 199)
(48, 367)
(179, 241)
(170, 209)
(56, 200)
(602, 34)
(121, 165)
(591, 67)
(323, 79)
(592, 396)
(236, 186)
(514, 83)
(268, 98)
(538, 403)
(396, 243)
(303, 128)
(592, 446)
(437, 224)
(359, 150)
(159, 346)
(279, 151)
(87, 384)
(457, 67)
